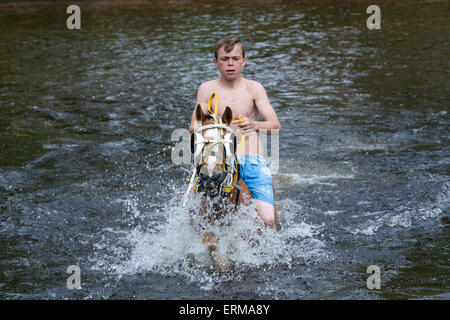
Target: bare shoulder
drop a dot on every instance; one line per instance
(204, 90)
(255, 88)
(207, 85)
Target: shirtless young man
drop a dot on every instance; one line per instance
(247, 99)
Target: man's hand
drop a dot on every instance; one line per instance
(245, 124)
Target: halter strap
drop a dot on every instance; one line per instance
(215, 125)
(242, 141)
(214, 96)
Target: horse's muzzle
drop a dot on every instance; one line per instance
(209, 184)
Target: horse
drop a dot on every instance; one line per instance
(216, 171)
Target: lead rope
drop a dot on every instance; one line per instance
(191, 184)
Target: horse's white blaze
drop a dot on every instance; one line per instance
(211, 160)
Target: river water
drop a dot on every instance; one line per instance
(86, 177)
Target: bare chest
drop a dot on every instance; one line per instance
(239, 100)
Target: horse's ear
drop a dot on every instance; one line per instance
(199, 115)
(227, 116)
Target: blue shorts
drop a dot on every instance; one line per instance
(256, 174)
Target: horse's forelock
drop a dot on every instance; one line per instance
(208, 119)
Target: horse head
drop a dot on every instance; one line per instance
(213, 145)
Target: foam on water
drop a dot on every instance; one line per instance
(405, 216)
(173, 246)
(311, 178)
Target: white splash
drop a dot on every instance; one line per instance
(174, 247)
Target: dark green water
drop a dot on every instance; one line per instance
(86, 176)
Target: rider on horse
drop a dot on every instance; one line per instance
(248, 100)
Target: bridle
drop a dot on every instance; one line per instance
(224, 182)
(198, 144)
(229, 179)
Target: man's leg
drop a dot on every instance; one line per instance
(256, 175)
(266, 212)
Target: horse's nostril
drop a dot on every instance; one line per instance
(213, 181)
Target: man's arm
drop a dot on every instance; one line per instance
(271, 122)
(202, 99)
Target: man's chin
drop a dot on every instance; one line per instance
(233, 76)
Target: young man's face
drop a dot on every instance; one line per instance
(230, 63)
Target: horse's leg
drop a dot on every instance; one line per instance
(209, 238)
